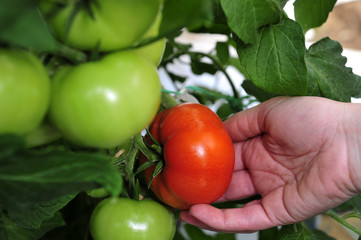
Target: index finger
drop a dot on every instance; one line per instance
(244, 125)
(250, 122)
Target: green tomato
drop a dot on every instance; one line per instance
(114, 24)
(24, 91)
(126, 219)
(153, 51)
(102, 104)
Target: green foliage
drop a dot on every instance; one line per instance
(245, 17)
(43, 182)
(35, 185)
(281, 69)
(297, 231)
(178, 14)
(195, 233)
(22, 24)
(327, 75)
(10, 230)
(311, 14)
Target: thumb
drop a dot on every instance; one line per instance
(250, 218)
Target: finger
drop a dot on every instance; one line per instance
(241, 187)
(250, 218)
(186, 217)
(238, 161)
(250, 122)
(245, 124)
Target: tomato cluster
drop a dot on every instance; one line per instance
(102, 103)
(97, 103)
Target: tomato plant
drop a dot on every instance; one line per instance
(103, 103)
(120, 218)
(24, 91)
(105, 91)
(197, 151)
(104, 25)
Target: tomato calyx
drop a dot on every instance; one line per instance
(125, 160)
(152, 150)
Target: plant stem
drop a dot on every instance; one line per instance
(73, 55)
(129, 169)
(341, 220)
(168, 101)
(222, 69)
(138, 141)
(351, 215)
(214, 60)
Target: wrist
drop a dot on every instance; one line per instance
(352, 128)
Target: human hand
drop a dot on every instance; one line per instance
(299, 154)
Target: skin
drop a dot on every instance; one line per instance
(127, 219)
(155, 50)
(301, 154)
(196, 150)
(24, 91)
(115, 23)
(102, 104)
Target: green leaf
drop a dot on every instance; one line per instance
(224, 111)
(225, 236)
(222, 49)
(245, 17)
(178, 14)
(282, 2)
(10, 144)
(178, 236)
(322, 235)
(200, 68)
(294, 236)
(353, 204)
(258, 93)
(275, 62)
(10, 9)
(176, 77)
(28, 29)
(297, 231)
(10, 231)
(28, 179)
(327, 71)
(195, 233)
(268, 234)
(33, 217)
(310, 13)
(357, 91)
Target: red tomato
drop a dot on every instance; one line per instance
(198, 155)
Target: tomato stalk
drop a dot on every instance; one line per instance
(149, 153)
(235, 103)
(184, 50)
(82, 4)
(154, 155)
(342, 220)
(219, 66)
(126, 163)
(167, 100)
(75, 56)
(129, 166)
